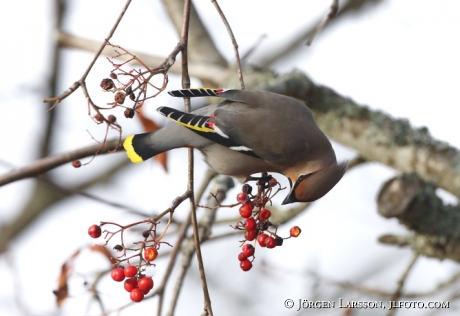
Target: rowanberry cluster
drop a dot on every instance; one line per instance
(257, 223)
(136, 282)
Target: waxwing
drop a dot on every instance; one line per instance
(247, 133)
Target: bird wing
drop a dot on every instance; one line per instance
(205, 127)
(262, 124)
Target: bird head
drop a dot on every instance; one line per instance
(311, 186)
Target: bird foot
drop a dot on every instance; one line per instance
(262, 180)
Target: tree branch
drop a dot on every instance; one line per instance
(235, 45)
(415, 204)
(190, 173)
(376, 135)
(350, 7)
(45, 164)
(332, 12)
(207, 72)
(398, 292)
(55, 58)
(223, 184)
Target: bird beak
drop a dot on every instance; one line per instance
(290, 198)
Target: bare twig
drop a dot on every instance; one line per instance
(172, 260)
(235, 45)
(190, 183)
(332, 12)
(253, 47)
(188, 251)
(71, 191)
(381, 293)
(210, 174)
(80, 82)
(55, 58)
(397, 293)
(51, 162)
(177, 201)
(224, 183)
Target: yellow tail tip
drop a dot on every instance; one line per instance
(130, 151)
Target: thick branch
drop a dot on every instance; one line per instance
(429, 246)
(376, 135)
(415, 204)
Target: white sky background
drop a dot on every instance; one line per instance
(401, 57)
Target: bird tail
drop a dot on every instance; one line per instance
(141, 147)
(192, 93)
(131, 151)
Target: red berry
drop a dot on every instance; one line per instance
(76, 163)
(146, 291)
(295, 231)
(261, 239)
(264, 214)
(130, 271)
(118, 274)
(248, 250)
(130, 284)
(95, 231)
(250, 235)
(150, 254)
(270, 242)
(241, 256)
(136, 295)
(145, 283)
(246, 209)
(242, 197)
(250, 224)
(245, 265)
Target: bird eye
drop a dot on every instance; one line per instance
(303, 176)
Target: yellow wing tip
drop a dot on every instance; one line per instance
(128, 146)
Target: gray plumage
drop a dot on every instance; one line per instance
(278, 129)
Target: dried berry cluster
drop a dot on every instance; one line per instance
(136, 282)
(134, 84)
(257, 226)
